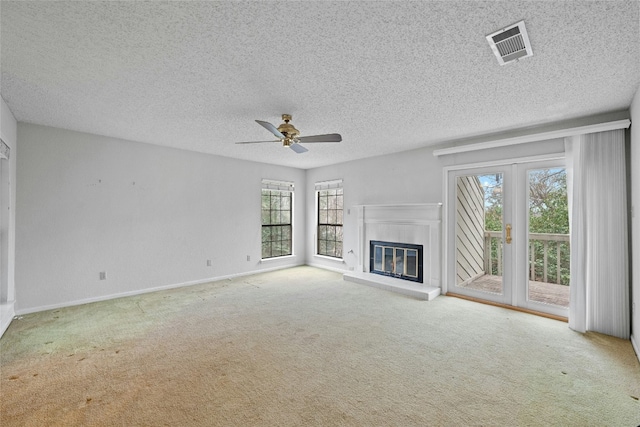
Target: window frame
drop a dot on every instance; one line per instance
(277, 224)
(337, 251)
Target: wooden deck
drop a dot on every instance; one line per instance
(546, 293)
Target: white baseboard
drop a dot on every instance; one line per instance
(146, 290)
(6, 316)
(636, 347)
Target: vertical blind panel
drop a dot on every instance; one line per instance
(599, 241)
(607, 249)
(326, 185)
(270, 184)
(575, 189)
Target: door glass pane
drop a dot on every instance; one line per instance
(548, 237)
(479, 219)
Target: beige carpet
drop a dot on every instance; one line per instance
(302, 347)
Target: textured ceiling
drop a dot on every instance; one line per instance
(388, 76)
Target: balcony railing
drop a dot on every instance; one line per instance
(548, 256)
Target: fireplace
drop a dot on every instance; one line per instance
(399, 260)
(417, 226)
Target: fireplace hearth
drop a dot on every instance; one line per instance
(399, 260)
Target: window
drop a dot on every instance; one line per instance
(330, 218)
(277, 209)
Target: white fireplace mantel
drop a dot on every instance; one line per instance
(418, 224)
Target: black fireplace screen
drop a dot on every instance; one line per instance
(401, 260)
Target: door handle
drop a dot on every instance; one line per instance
(508, 234)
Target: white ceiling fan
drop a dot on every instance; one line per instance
(290, 136)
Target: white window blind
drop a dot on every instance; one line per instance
(270, 184)
(326, 185)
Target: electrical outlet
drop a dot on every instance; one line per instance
(103, 275)
(248, 257)
(208, 263)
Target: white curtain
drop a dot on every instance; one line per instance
(599, 285)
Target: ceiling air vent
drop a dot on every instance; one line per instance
(511, 43)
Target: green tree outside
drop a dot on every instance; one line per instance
(548, 214)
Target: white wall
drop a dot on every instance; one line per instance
(148, 216)
(635, 222)
(8, 131)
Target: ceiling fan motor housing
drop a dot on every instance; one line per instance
(288, 130)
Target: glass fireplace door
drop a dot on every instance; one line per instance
(400, 260)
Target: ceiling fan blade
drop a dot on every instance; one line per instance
(298, 148)
(330, 137)
(271, 128)
(256, 142)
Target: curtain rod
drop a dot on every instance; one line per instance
(541, 136)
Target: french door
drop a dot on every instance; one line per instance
(508, 235)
